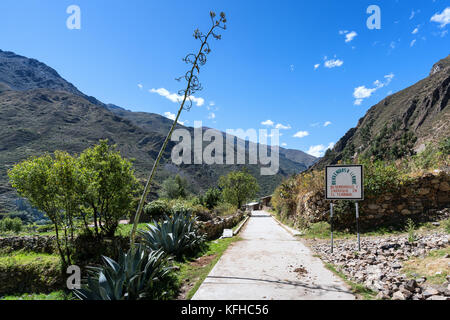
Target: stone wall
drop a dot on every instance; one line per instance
(420, 199)
(213, 229)
(40, 244)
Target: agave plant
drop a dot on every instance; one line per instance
(139, 274)
(175, 235)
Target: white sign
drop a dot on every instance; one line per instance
(344, 182)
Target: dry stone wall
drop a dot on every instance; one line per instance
(420, 199)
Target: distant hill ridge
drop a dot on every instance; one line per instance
(42, 112)
(406, 120)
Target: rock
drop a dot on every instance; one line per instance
(396, 266)
(437, 298)
(444, 186)
(430, 292)
(405, 212)
(398, 295)
(410, 285)
(382, 296)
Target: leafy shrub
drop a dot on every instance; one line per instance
(176, 235)
(224, 209)
(381, 176)
(8, 224)
(174, 188)
(157, 209)
(211, 198)
(410, 227)
(137, 275)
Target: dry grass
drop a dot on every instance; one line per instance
(435, 267)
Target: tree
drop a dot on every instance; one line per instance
(192, 85)
(174, 188)
(98, 185)
(109, 186)
(37, 180)
(238, 187)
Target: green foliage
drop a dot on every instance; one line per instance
(238, 187)
(8, 224)
(410, 228)
(109, 186)
(174, 188)
(137, 275)
(29, 272)
(380, 176)
(383, 148)
(176, 235)
(224, 209)
(447, 226)
(98, 185)
(211, 198)
(158, 209)
(444, 146)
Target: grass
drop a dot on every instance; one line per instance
(125, 229)
(435, 266)
(358, 289)
(56, 295)
(322, 230)
(23, 258)
(192, 272)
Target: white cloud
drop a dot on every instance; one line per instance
(413, 43)
(362, 92)
(327, 123)
(332, 63)
(282, 127)
(172, 116)
(212, 103)
(140, 86)
(175, 97)
(415, 31)
(319, 150)
(316, 66)
(341, 32)
(211, 115)
(284, 144)
(301, 134)
(268, 123)
(413, 14)
(442, 18)
(350, 36)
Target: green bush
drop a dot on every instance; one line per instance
(8, 224)
(211, 198)
(224, 209)
(176, 235)
(157, 209)
(381, 176)
(138, 274)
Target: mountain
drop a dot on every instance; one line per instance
(402, 123)
(42, 112)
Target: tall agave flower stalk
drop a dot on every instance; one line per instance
(192, 85)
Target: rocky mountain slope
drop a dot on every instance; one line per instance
(42, 112)
(402, 123)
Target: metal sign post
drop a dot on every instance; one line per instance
(357, 224)
(331, 224)
(344, 182)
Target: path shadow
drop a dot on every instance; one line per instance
(291, 283)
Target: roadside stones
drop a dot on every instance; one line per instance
(379, 264)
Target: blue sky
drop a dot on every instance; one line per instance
(312, 67)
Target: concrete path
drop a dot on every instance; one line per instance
(269, 263)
